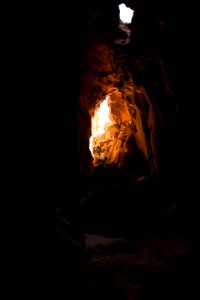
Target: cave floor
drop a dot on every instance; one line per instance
(138, 243)
(141, 268)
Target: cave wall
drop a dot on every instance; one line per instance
(161, 88)
(157, 63)
(108, 67)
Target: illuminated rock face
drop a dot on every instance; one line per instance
(111, 129)
(139, 78)
(106, 75)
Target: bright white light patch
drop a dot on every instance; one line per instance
(126, 14)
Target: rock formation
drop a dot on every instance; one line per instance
(109, 68)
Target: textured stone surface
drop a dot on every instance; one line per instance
(109, 68)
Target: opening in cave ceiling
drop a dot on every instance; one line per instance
(126, 13)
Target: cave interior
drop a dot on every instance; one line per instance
(129, 229)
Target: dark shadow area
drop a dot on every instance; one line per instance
(155, 220)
